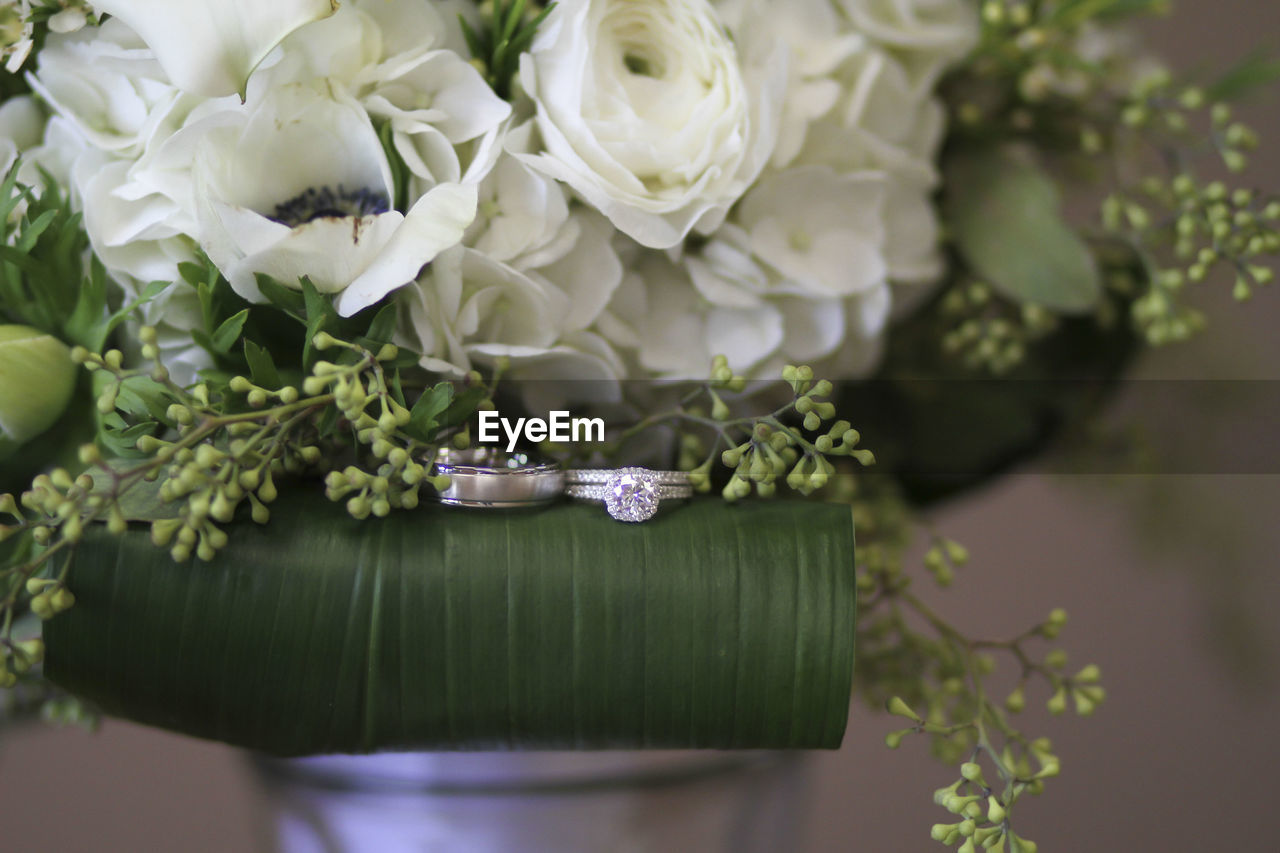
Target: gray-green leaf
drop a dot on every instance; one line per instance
(1005, 216)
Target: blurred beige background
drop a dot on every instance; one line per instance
(1181, 618)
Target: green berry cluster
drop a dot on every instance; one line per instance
(1185, 230)
(1207, 228)
(924, 670)
(399, 472)
(984, 811)
(223, 448)
(990, 333)
(763, 451)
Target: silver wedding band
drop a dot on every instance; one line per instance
(488, 478)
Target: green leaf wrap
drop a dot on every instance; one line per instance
(708, 627)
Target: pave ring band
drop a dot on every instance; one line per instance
(630, 494)
(488, 478)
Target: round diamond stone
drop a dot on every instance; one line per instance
(632, 494)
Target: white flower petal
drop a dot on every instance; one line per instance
(435, 223)
(210, 47)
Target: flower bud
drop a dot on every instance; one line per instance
(37, 377)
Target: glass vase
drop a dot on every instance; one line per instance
(533, 802)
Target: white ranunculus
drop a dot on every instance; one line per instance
(300, 186)
(651, 113)
(210, 47)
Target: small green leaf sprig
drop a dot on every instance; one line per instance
(926, 671)
(507, 30)
(793, 445)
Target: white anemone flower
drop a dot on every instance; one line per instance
(300, 186)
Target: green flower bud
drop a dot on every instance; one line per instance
(719, 409)
(1090, 674)
(261, 515)
(972, 772)
(1057, 703)
(1016, 701)
(61, 599)
(37, 378)
(943, 832)
(899, 708)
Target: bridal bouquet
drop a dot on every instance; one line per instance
(259, 250)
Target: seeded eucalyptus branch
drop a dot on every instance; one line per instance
(921, 668)
(793, 444)
(1114, 117)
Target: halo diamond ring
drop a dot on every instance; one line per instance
(630, 494)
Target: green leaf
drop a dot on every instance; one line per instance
(383, 327)
(102, 330)
(320, 314)
(289, 301)
(140, 502)
(228, 331)
(708, 627)
(424, 417)
(1004, 214)
(1258, 70)
(262, 368)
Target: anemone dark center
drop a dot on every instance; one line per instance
(322, 202)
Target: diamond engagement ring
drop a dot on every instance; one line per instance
(630, 494)
(487, 478)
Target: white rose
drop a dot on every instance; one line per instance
(650, 112)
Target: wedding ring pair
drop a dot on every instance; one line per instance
(488, 478)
